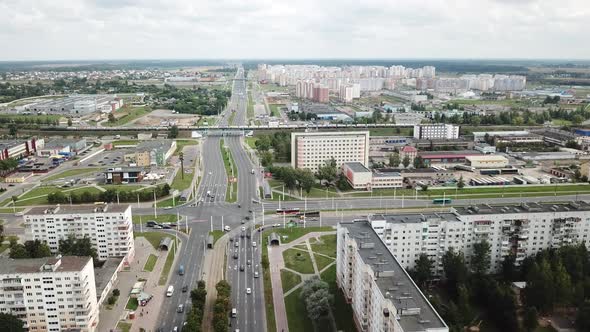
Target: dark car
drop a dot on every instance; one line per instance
(241, 267)
(184, 288)
(166, 227)
(247, 217)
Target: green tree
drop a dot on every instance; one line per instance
(394, 160)
(69, 122)
(12, 130)
(562, 284)
(173, 132)
(328, 172)
(509, 271)
(406, 162)
(454, 269)
(266, 158)
(77, 247)
(461, 183)
(530, 320)
(37, 249)
(481, 259)
(11, 323)
(583, 317)
(419, 162)
(539, 291)
(112, 118)
(422, 271)
(305, 178)
(424, 187)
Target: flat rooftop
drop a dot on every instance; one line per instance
(103, 274)
(355, 166)
(410, 218)
(523, 208)
(34, 265)
(395, 283)
(69, 209)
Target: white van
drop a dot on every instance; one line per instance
(170, 291)
(234, 313)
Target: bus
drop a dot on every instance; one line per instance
(288, 211)
(309, 214)
(441, 201)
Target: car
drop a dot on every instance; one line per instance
(276, 225)
(227, 228)
(255, 274)
(180, 308)
(231, 239)
(212, 199)
(248, 290)
(243, 221)
(236, 244)
(253, 243)
(166, 227)
(173, 224)
(247, 217)
(239, 205)
(157, 227)
(241, 267)
(175, 329)
(168, 208)
(249, 262)
(184, 288)
(243, 228)
(236, 255)
(209, 173)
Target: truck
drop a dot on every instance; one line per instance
(252, 171)
(170, 291)
(181, 270)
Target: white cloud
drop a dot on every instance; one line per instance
(185, 29)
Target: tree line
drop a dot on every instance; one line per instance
(71, 246)
(193, 101)
(276, 146)
(108, 196)
(194, 318)
(222, 307)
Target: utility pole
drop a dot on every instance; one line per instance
(138, 200)
(155, 207)
(284, 224)
(211, 223)
(222, 222)
(140, 225)
(117, 198)
(262, 214)
(181, 157)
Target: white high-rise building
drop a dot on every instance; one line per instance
(50, 294)
(310, 150)
(436, 131)
(384, 298)
(519, 229)
(109, 227)
(346, 93)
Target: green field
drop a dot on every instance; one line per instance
(504, 102)
(72, 172)
(326, 245)
(298, 260)
(150, 263)
(209, 119)
(125, 142)
(124, 327)
(22, 118)
(168, 202)
(342, 310)
(289, 280)
(161, 218)
(391, 131)
(275, 109)
(322, 261)
(297, 314)
(289, 234)
(132, 114)
(122, 187)
(216, 235)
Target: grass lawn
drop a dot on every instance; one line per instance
(322, 261)
(251, 141)
(275, 109)
(150, 263)
(161, 218)
(289, 234)
(297, 314)
(181, 143)
(167, 265)
(316, 191)
(125, 142)
(153, 237)
(216, 235)
(298, 260)
(181, 184)
(40, 195)
(132, 304)
(132, 113)
(342, 311)
(122, 187)
(39, 191)
(561, 122)
(169, 202)
(11, 210)
(231, 191)
(326, 245)
(289, 280)
(71, 172)
(124, 327)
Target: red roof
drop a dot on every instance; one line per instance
(408, 148)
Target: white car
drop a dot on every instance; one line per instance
(227, 228)
(254, 244)
(248, 290)
(168, 208)
(243, 228)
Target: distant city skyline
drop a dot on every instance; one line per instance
(264, 29)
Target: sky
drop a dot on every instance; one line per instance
(291, 29)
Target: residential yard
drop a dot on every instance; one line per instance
(326, 245)
(72, 172)
(289, 280)
(298, 260)
(132, 304)
(216, 235)
(289, 234)
(322, 261)
(297, 314)
(150, 263)
(161, 218)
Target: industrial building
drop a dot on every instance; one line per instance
(487, 161)
(50, 293)
(151, 153)
(521, 230)
(77, 104)
(108, 226)
(20, 148)
(383, 296)
(67, 147)
(311, 150)
(447, 157)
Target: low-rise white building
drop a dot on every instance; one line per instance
(50, 294)
(108, 226)
(521, 230)
(361, 178)
(487, 161)
(383, 296)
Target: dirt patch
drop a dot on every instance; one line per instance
(166, 117)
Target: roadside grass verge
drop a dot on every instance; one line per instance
(216, 235)
(231, 170)
(168, 264)
(70, 173)
(150, 263)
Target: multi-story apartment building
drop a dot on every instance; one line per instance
(310, 150)
(51, 293)
(108, 226)
(436, 131)
(383, 296)
(521, 230)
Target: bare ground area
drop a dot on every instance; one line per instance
(166, 117)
